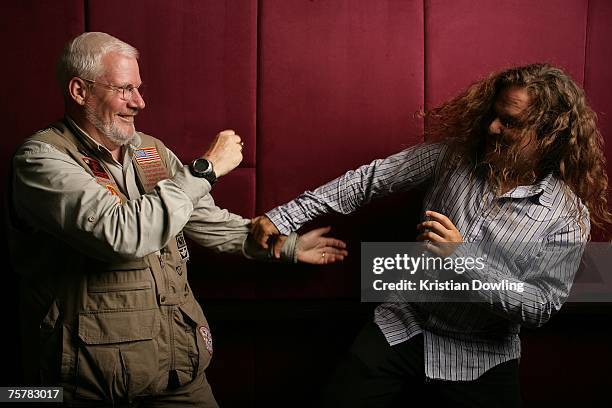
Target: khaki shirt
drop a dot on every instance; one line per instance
(112, 293)
(55, 194)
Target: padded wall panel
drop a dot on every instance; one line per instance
(236, 192)
(339, 83)
(198, 60)
(468, 39)
(598, 75)
(33, 34)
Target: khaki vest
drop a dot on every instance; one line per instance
(113, 331)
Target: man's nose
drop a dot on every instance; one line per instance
(496, 127)
(136, 101)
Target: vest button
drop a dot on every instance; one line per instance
(163, 299)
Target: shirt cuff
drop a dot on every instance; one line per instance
(289, 249)
(194, 187)
(277, 219)
(252, 250)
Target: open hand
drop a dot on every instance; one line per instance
(314, 248)
(441, 232)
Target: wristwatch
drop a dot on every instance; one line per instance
(203, 168)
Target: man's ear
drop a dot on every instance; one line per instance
(77, 89)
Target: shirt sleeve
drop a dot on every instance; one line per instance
(52, 192)
(223, 231)
(347, 193)
(209, 225)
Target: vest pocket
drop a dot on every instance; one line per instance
(117, 354)
(203, 340)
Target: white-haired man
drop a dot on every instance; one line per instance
(97, 215)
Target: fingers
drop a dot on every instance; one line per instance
(314, 248)
(225, 152)
(278, 245)
(333, 243)
(434, 226)
(227, 132)
(320, 231)
(331, 259)
(331, 255)
(432, 231)
(439, 229)
(434, 249)
(335, 251)
(442, 219)
(262, 229)
(430, 236)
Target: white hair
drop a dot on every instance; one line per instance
(82, 57)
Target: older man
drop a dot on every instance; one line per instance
(98, 213)
(518, 164)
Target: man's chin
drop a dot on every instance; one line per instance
(496, 159)
(121, 138)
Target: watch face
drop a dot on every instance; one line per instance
(201, 166)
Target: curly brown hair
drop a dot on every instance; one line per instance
(568, 142)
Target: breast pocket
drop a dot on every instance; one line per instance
(126, 286)
(117, 357)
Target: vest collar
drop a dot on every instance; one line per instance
(93, 144)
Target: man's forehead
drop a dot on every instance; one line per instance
(514, 99)
(120, 68)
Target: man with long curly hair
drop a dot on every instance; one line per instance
(516, 158)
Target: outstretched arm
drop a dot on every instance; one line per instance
(399, 172)
(313, 248)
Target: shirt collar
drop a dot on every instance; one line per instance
(543, 190)
(90, 142)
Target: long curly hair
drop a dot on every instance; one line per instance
(568, 143)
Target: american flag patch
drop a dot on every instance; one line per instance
(146, 155)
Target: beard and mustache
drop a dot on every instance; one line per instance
(110, 128)
(508, 162)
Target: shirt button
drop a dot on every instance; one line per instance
(91, 218)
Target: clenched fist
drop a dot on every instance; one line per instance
(225, 152)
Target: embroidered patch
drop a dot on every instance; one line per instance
(205, 333)
(146, 155)
(152, 172)
(114, 192)
(182, 246)
(96, 168)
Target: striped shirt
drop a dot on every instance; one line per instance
(544, 225)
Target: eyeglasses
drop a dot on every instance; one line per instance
(126, 92)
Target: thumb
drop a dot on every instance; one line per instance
(322, 230)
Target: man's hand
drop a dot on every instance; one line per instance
(314, 248)
(262, 229)
(225, 152)
(439, 230)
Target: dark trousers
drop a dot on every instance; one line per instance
(376, 375)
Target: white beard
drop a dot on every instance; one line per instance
(109, 129)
